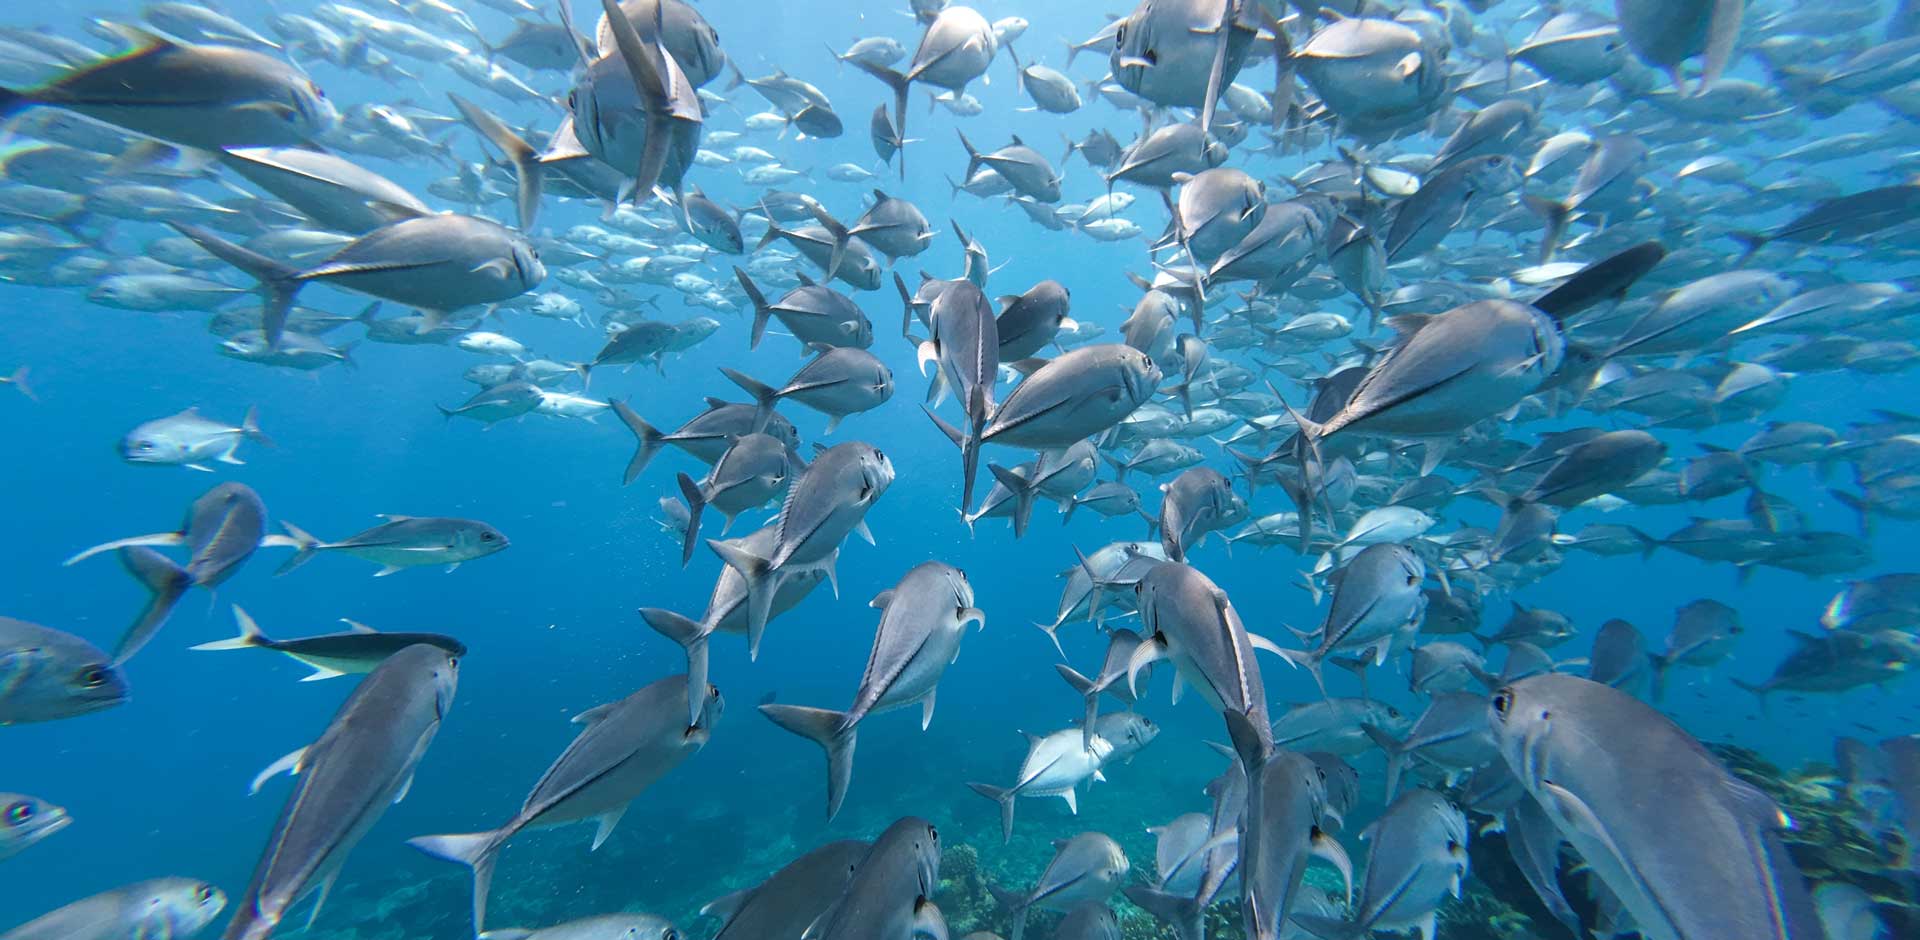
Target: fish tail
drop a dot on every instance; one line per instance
(1087, 688)
(1003, 796)
(829, 729)
(1329, 928)
(19, 381)
(166, 582)
(250, 426)
(278, 282)
(476, 850)
(759, 575)
(1306, 659)
(527, 173)
(1759, 692)
(838, 232)
(763, 394)
(696, 503)
(693, 637)
(1660, 664)
(1396, 755)
(251, 636)
(304, 545)
(1183, 914)
(1023, 495)
(647, 440)
(1015, 904)
(761, 311)
(900, 84)
(1556, 215)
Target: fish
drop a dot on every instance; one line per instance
(205, 96)
(827, 502)
(159, 907)
(922, 619)
(892, 887)
(1722, 831)
(27, 820)
(362, 763)
(223, 528)
(799, 892)
(401, 542)
(188, 440)
(358, 651)
(1417, 856)
(1086, 869)
(623, 748)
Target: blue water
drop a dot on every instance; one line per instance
(158, 786)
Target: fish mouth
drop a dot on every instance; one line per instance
(59, 822)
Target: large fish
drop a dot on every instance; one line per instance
(922, 619)
(824, 505)
(891, 891)
(791, 899)
(205, 96)
(1286, 804)
(1689, 850)
(1665, 33)
(222, 530)
(355, 652)
(331, 190)
(957, 47)
(172, 908)
(1086, 869)
(623, 748)
(436, 263)
(363, 763)
(25, 820)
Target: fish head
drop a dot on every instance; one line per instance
(311, 114)
(148, 447)
(876, 472)
(182, 907)
(25, 820)
(528, 269)
(1141, 376)
(479, 539)
(710, 712)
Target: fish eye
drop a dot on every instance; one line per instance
(1412, 580)
(1502, 702)
(486, 536)
(453, 662)
(93, 677)
(933, 832)
(19, 814)
(713, 691)
(204, 894)
(1393, 712)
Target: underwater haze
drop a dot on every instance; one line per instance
(1491, 437)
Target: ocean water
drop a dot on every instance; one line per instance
(159, 785)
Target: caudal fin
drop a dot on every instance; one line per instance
(1015, 904)
(527, 172)
(1003, 796)
(758, 573)
(764, 395)
(165, 581)
(250, 426)
(1088, 689)
(761, 311)
(900, 86)
(19, 381)
(647, 440)
(278, 282)
(304, 545)
(250, 637)
(1555, 215)
(1396, 755)
(1182, 914)
(840, 235)
(828, 729)
(696, 503)
(476, 850)
(1023, 493)
(693, 637)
